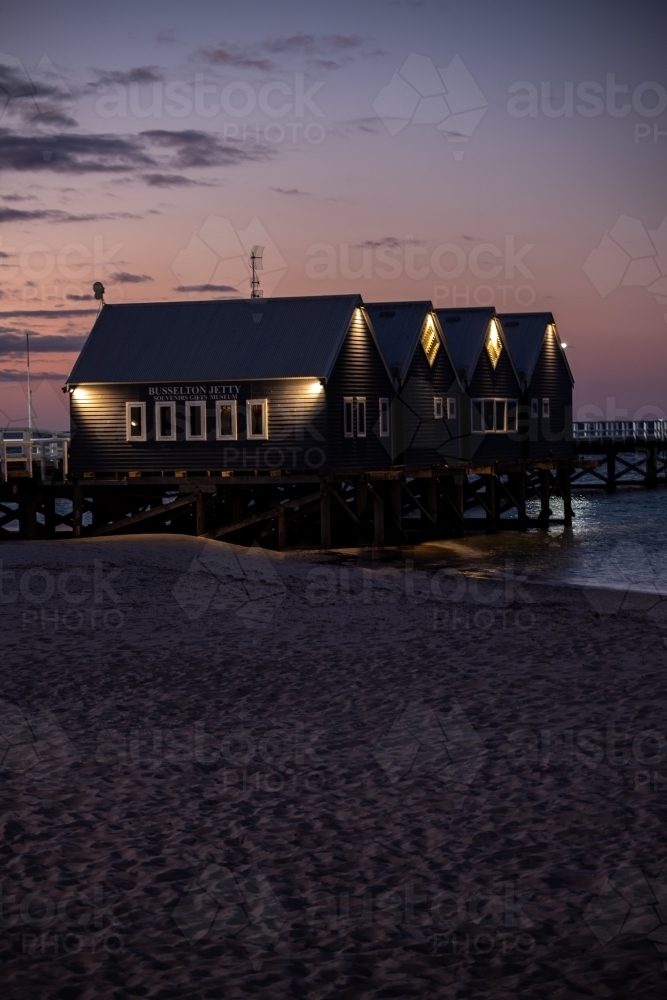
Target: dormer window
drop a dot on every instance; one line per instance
(430, 341)
(494, 344)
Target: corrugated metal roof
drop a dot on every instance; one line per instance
(465, 331)
(398, 326)
(231, 338)
(525, 333)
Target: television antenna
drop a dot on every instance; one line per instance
(256, 264)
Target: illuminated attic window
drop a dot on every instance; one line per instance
(430, 341)
(494, 345)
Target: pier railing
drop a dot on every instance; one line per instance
(28, 453)
(22, 456)
(595, 431)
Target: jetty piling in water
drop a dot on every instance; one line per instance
(377, 507)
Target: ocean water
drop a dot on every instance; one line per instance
(617, 540)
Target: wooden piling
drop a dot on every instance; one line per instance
(430, 501)
(28, 516)
(396, 508)
(49, 513)
(378, 519)
(200, 515)
(518, 481)
(651, 478)
(361, 498)
(325, 517)
(545, 484)
(491, 500)
(565, 486)
(77, 511)
(282, 529)
(611, 470)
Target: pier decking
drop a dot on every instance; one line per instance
(395, 506)
(347, 507)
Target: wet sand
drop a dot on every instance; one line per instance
(229, 773)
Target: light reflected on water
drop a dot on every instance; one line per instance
(617, 540)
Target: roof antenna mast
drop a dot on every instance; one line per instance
(256, 265)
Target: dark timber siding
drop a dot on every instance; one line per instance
(297, 431)
(551, 380)
(488, 382)
(359, 371)
(422, 441)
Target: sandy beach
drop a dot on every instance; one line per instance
(231, 772)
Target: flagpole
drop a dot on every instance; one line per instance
(27, 346)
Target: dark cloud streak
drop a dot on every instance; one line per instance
(125, 278)
(46, 313)
(14, 343)
(56, 215)
(123, 78)
(155, 149)
(172, 180)
(205, 288)
(328, 52)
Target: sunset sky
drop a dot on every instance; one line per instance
(506, 152)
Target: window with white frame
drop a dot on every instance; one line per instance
(437, 407)
(534, 408)
(165, 421)
(384, 418)
(355, 416)
(512, 414)
(195, 421)
(451, 408)
(361, 416)
(494, 416)
(135, 421)
(257, 419)
(545, 408)
(225, 420)
(348, 416)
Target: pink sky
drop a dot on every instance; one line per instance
(396, 150)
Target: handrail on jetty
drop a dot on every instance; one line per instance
(620, 430)
(54, 450)
(28, 452)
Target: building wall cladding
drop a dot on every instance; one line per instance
(359, 372)
(420, 440)
(488, 382)
(297, 430)
(551, 380)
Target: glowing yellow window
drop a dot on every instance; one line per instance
(430, 340)
(494, 345)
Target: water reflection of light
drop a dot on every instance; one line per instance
(615, 537)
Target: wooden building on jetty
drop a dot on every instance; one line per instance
(300, 420)
(546, 384)
(290, 384)
(426, 405)
(486, 371)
